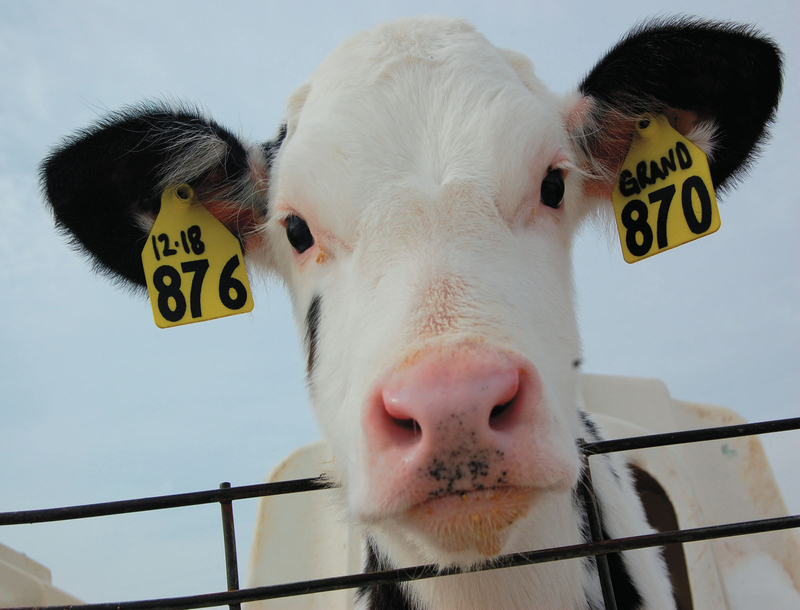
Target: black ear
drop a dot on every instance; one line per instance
(104, 184)
(721, 74)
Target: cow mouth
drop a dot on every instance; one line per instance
(476, 520)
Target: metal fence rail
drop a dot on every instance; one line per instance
(226, 495)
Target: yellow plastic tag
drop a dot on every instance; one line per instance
(664, 196)
(193, 265)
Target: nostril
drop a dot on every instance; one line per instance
(398, 425)
(501, 415)
(508, 395)
(499, 410)
(409, 424)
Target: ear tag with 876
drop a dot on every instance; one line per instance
(193, 265)
(664, 196)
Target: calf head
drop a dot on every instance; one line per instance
(419, 203)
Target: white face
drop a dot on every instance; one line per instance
(443, 375)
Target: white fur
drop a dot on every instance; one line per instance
(415, 154)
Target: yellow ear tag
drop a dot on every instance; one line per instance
(193, 265)
(664, 196)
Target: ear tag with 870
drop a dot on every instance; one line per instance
(664, 196)
(193, 265)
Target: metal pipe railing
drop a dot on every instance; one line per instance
(598, 547)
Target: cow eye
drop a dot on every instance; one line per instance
(552, 192)
(298, 234)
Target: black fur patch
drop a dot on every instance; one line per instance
(625, 591)
(382, 597)
(271, 147)
(720, 71)
(590, 426)
(593, 434)
(312, 327)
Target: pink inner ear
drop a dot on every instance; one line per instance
(239, 220)
(682, 121)
(232, 202)
(579, 115)
(605, 137)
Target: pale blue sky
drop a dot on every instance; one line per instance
(98, 404)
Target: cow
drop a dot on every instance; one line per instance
(419, 202)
